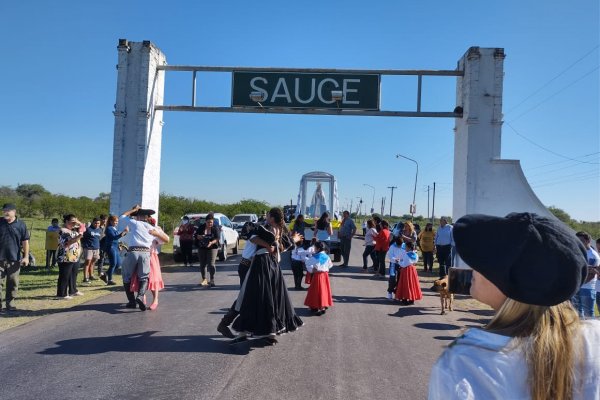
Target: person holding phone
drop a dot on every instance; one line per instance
(207, 236)
(69, 251)
(536, 346)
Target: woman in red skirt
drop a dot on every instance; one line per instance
(408, 289)
(318, 297)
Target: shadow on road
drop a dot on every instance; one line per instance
(196, 287)
(363, 300)
(436, 326)
(412, 311)
(146, 342)
(444, 337)
(109, 308)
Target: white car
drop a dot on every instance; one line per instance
(240, 219)
(229, 237)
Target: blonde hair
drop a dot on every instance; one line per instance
(549, 339)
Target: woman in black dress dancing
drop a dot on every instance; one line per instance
(263, 303)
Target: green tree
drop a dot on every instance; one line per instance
(29, 191)
(561, 215)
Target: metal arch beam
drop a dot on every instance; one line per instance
(258, 110)
(417, 72)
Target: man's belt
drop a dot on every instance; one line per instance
(245, 262)
(139, 248)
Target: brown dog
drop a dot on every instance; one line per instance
(446, 298)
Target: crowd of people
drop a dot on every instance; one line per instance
(541, 343)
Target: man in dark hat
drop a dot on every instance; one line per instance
(141, 234)
(13, 238)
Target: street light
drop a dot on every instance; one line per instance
(373, 200)
(413, 206)
(359, 205)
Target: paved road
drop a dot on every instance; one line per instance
(364, 347)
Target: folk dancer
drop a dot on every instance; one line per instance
(318, 297)
(137, 261)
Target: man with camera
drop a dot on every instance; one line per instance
(13, 238)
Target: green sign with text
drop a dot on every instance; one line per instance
(305, 90)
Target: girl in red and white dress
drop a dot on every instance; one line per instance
(318, 297)
(408, 289)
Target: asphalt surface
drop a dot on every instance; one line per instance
(365, 346)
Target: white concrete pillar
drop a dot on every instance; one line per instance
(138, 127)
(483, 182)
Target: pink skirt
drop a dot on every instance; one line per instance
(155, 281)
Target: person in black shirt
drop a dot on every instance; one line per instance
(13, 238)
(207, 237)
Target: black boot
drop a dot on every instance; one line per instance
(130, 295)
(223, 327)
(141, 292)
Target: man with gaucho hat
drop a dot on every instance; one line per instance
(141, 234)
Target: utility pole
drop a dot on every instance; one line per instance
(427, 201)
(392, 197)
(433, 205)
(382, 206)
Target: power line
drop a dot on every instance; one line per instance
(553, 79)
(576, 174)
(561, 169)
(569, 180)
(546, 149)
(554, 94)
(563, 161)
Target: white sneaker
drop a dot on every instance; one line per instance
(389, 296)
(64, 298)
(79, 293)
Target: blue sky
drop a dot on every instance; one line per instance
(59, 83)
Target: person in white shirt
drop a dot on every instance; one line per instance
(535, 346)
(141, 235)
(583, 301)
(370, 245)
(394, 254)
(318, 298)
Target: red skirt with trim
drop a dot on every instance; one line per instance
(319, 291)
(408, 287)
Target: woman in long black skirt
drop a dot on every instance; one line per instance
(264, 306)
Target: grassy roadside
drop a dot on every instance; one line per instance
(37, 295)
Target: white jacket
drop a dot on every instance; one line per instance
(485, 365)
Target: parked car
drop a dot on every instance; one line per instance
(229, 236)
(239, 220)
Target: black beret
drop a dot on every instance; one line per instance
(143, 211)
(532, 259)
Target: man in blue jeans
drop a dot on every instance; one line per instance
(443, 246)
(583, 301)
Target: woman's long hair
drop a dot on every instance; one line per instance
(322, 222)
(408, 225)
(549, 339)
